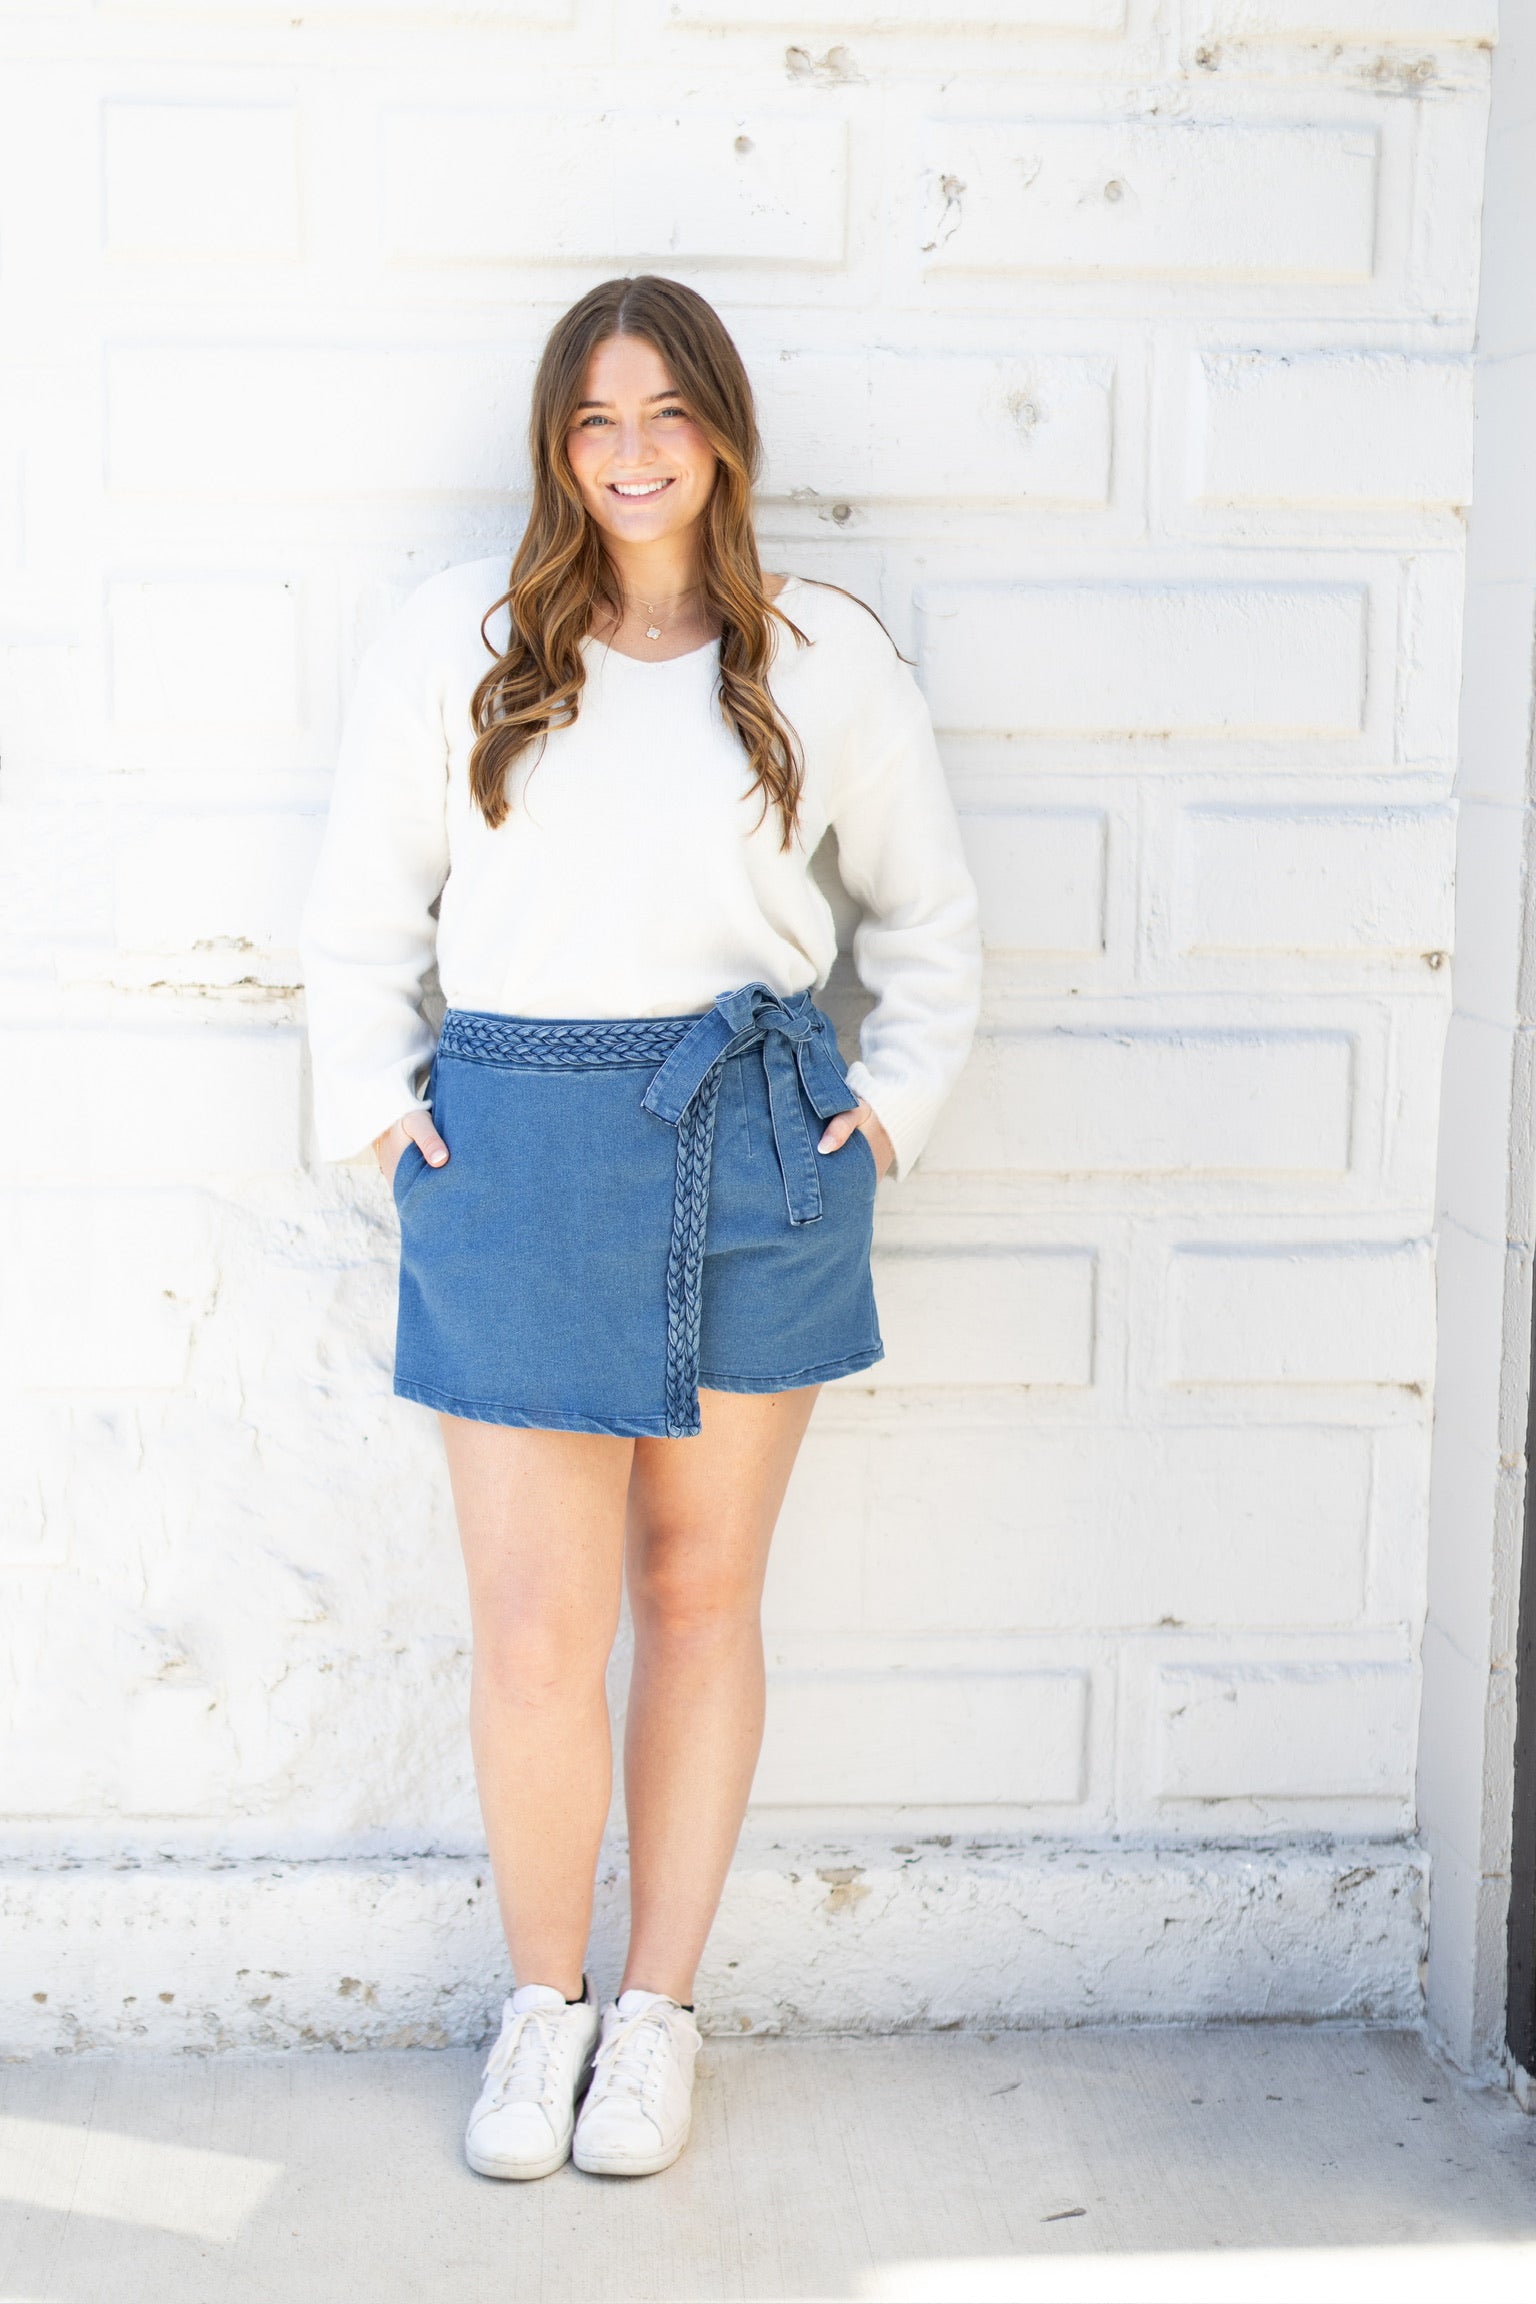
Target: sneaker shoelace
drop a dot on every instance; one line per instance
(518, 2066)
(629, 2063)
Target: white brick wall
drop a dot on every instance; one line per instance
(1122, 361)
(1250, 202)
(1148, 660)
(1347, 429)
(1303, 1314)
(1486, 1203)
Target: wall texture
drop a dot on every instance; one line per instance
(1487, 1211)
(1120, 354)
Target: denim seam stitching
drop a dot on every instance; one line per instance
(433, 1396)
(720, 1379)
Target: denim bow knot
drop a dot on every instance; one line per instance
(793, 1035)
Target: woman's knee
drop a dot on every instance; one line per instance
(535, 1662)
(677, 1594)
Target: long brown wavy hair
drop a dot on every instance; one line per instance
(562, 574)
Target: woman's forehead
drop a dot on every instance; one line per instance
(625, 368)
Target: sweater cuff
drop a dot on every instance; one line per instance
(905, 1111)
(346, 1126)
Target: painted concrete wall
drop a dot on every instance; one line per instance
(1120, 354)
(1487, 1219)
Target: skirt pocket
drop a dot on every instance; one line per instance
(407, 1168)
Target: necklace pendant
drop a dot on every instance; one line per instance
(653, 631)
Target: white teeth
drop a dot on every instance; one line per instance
(640, 487)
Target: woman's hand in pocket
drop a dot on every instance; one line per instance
(838, 1130)
(414, 1128)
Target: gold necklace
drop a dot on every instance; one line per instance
(653, 630)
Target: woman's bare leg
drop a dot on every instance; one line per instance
(701, 1518)
(541, 1518)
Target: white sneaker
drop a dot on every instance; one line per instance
(522, 2121)
(636, 2117)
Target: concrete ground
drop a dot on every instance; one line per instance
(1167, 2164)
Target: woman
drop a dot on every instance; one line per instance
(634, 1177)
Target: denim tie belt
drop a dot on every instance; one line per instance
(793, 1035)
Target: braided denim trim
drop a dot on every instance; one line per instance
(560, 1047)
(685, 1257)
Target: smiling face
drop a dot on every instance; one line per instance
(644, 468)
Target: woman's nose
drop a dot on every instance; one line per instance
(634, 444)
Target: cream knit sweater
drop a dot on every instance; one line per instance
(635, 876)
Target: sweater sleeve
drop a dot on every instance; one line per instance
(369, 936)
(918, 947)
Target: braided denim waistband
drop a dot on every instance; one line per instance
(684, 1091)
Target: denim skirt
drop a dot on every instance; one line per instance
(632, 1209)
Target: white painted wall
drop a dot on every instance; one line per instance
(1487, 1219)
(1120, 353)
